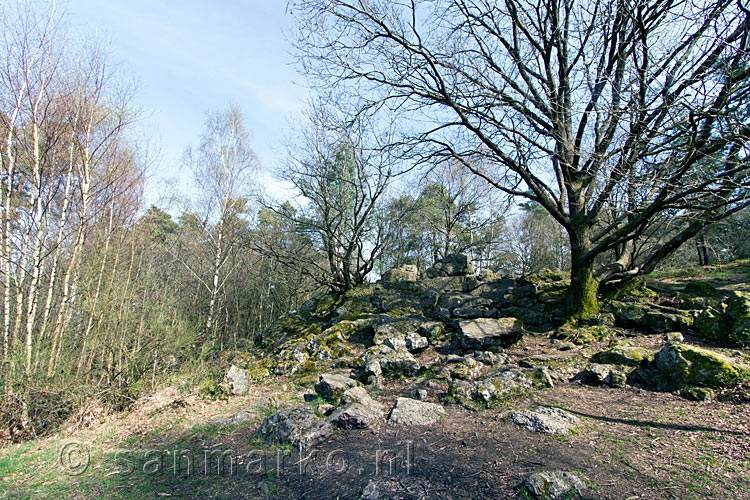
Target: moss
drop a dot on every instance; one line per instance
(701, 288)
(582, 335)
(738, 312)
(210, 389)
(624, 356)
(258, 370)
(682, 365)
(711, 324)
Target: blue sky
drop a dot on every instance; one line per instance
(192, 57)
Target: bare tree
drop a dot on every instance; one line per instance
(572, 105)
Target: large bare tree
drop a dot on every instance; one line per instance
(609, 115)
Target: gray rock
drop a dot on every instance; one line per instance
(236, 379)
(409, 411)
(490, 358)
(298, 426)
(431, 329)
(473, 312)
(243, 416)
(415, 342)
(674, 337)
(468, 369)
(602, 374)
(331, 386)
(395, 342)
(408, 272)
(389, 362)
(484, 333)
(360, 410)
(545, 420)
(420, 394)
(326, 409)
(357, 415)
(554, 484)
(499, 384)
(370, 492)
(455, 264)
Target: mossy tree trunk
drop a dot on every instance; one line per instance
(582, 295)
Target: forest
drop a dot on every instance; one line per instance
(608, 140)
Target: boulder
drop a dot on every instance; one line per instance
(680, 365)
(554, 484)
(431, 329)
(455, 264)
(468, 369)
(409, 411)
(624, 355)
(545, 420)
(500, 384)
(473, 312)
(382, 360)
(651, 318)
(599, 374)
(359, 410)
(237, 380)
(297, 426)
(415, 342)
(490, 358)
(331, 386)
(484, 333)
(406, 272)
(738, 312)
(711, 324)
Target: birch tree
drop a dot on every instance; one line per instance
(223, 167)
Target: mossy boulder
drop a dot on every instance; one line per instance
(738, 313)
(650, 317)
(712, 324)
(498, 385)
(582, 335)
(681, 365)
(624, 356)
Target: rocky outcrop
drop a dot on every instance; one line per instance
(545, 420)
(499, 384)
(409, 411)
(650, 317)
(599, 374)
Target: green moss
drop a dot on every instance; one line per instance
(738, 312)
(210, 389)
(701, 288)
(683, 365)
(711, 324)
(624, 356)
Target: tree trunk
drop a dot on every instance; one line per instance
(582, 294)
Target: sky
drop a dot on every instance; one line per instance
(191, 57)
